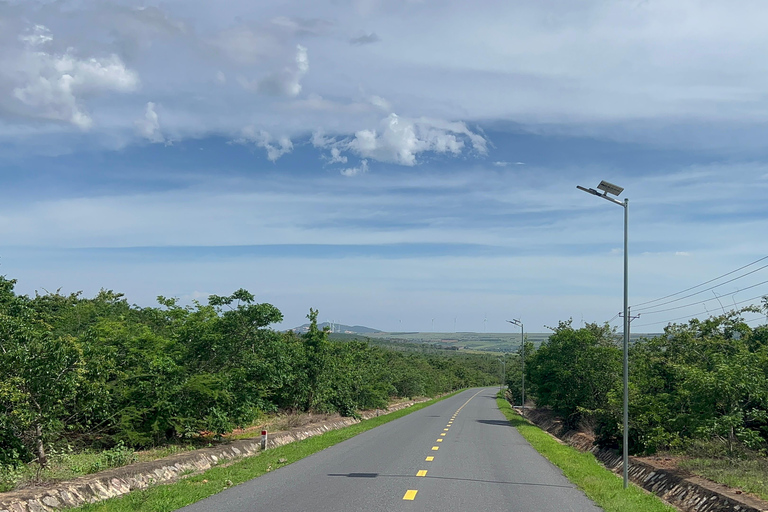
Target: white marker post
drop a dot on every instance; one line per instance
(263, 439)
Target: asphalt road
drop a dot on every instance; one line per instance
(458, 454)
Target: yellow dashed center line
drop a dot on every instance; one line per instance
(410, 495)
(438, 440)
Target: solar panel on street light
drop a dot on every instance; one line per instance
(610, 188)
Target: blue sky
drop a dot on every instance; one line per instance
(388, 163)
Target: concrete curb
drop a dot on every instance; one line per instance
(115, 482)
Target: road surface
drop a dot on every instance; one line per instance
(458, 454)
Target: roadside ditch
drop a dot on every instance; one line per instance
(680, 489)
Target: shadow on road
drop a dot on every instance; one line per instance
(502, 423)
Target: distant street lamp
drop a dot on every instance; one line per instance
(610, 188)
(522, 346)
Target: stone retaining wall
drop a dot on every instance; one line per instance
(684, 491)
(118, 481)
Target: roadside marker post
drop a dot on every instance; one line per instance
(263, 439)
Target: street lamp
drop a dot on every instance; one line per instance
(610, 188)
(522, 345)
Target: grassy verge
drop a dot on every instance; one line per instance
(66, 463)
(599, 484)
(748, 475)
(179, 494)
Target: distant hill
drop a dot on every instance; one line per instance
(350, 329)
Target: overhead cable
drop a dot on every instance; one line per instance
(700, 313)
(701, 284)
(703, 301)
(704, 290)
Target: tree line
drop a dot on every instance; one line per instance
(705, 381)
(99, 371)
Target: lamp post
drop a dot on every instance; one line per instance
(610, 188)
(522, 346)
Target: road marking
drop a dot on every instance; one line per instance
(442, 434)
(410, 495)
(422, 472)
(439, 440)
(435, 448)
(429, 459)
(446, 429)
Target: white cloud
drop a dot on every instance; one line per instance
(53, 86)
(319, 140)
(337, 157)
(149, 126)
(286, 82)
(354, 171)
(400, 140)
(275, 147)
(39, 36)
(380, 103)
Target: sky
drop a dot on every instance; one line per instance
(407, 165)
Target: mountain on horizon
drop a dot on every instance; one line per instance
(349, 329)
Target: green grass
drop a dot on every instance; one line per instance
(599, 484)
(750, 475)
(182, 493)
(66, 464)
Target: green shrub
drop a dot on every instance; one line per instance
(115, 457)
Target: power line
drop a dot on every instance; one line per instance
(702, 301)
(702, 284)
(706, 289)
(700, 313)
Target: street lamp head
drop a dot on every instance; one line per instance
(610, 188)
(607, 188)
(516, 322)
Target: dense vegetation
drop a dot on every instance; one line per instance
(700, 384)
(101, 372)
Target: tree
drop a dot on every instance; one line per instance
(574, 370)
(40, 373)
